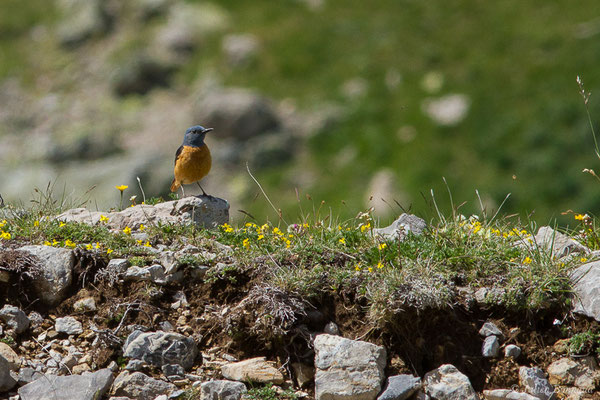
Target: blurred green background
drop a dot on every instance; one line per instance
(408, 92)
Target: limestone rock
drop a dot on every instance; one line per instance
(400, 387)
(140, 73)
(253, 370)
(447, 110)
(559, 244)
(491, 346)
(206, 212)
(347, 369)
(161, 348)
(86, 304)
(84, 20)
(222, 390)
(240, 49)
(237, 113)
(400, 228)
(139, 386)
(535, 383)
(68, 325)
(7, 382)
(507, 394)
(582, 373)
(57, 272)
(448, 383)
(14, 318)
(512, 351)
(14, 362)
(489, 329)
(89, 386)
(585, 280)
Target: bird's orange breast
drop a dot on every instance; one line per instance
(192, 164)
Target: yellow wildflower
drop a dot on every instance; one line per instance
(69, 243)
(382, 246)
(147, 244)
(227, 228)
(139, 241)
(142, 227)
(61, 224)
(583, 259)
(47, 243)
(89, 246)
(287, 244)
(379, 265)
(260, 237)
(370, 269)
(108, 251)
(121, 187)
(365, 227)
(527, 260)
(579, 217)
(103, 218)
(36, 223)
(342, 240)
(357, 267)
(5, 235)
(127, 230)
(55, 242)
(246, 243)
(2, 223)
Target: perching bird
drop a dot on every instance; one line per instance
(192, 160)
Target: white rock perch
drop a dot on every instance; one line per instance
(448, 383)
(88, 386)
(257, 370)
(586, 289)
(204, 211)
(348, 369)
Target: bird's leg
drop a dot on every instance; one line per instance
(203, 192)
(182, 191)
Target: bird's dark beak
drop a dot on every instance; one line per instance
(206, 130)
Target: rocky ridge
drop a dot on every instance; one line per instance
(165, 355)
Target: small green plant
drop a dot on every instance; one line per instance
(268, 392)
(190, 394)
(585, 343)
(8, 340)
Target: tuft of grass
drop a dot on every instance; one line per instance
(269, 392)
(585, 343)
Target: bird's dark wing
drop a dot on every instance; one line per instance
(179, 150)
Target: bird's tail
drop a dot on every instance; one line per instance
(175, 185)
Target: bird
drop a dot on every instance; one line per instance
(192, 159)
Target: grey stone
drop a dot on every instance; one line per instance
(491, 346)
(14, 318)
(257, 370)
(135, 365)
(489, 329)
(14, 362)
(170, 370)
(448, 383)
(119, 265)
(140, 73)
(347, 369)
(507, 394)
(205, 212)
(237, 113)
(7, 382)
(331, 328)
(222, 390)
(169, 262)
(86, 304)
(558, 244)
(68, 325)
(240, 49)
(400, 387)
(57, 272)
(28, 375)
(88, 386)
(161, 348)
(586, 290)
(401, 227)
(139, 386)
(448, 110)
(512, 350)
(84, 19)
(535, 383)
(582, 372)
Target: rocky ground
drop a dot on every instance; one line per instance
(76, 326)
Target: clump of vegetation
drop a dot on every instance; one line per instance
(585, 343)
(269, 392)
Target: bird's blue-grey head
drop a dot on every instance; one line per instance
(194, 136)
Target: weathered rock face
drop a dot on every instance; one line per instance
(400, 387)
(57, 272)
(6, 380)
(448, 383)
(586, 289)
(490, 347)
(535, 383)
(400, 228)
(89, 386)
(253, 370)
(161, 348)
(139, 386)
(558, 244)
(506, 394)
(222, 390)
(583, 372)
(14, 362)
(347, 369)
(68, 325)
(206, 212)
